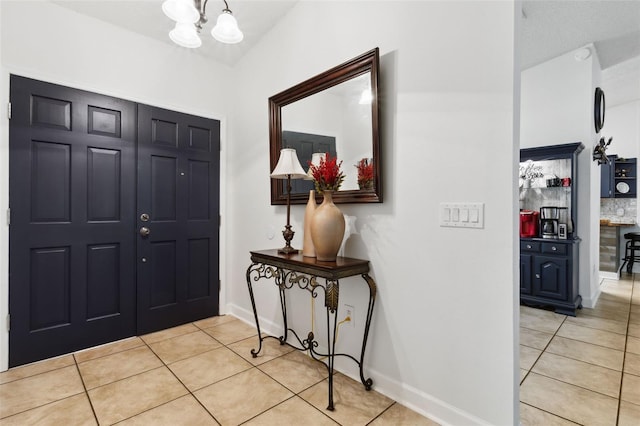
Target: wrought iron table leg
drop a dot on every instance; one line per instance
(251, 268)
(331, 340)
(283, 306)
(372, 299)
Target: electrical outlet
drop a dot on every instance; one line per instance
(350, 312)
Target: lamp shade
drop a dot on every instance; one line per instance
(181, 11)
(315, 160)
(288, 165)
(226, 29)
(185, 35)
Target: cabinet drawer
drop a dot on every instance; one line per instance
(554, 248)
(530, 246)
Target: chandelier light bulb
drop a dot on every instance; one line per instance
(185, 35)
(226, 29)
(181, 11)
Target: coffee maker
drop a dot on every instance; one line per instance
(550, 220)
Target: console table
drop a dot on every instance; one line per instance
(308, 273)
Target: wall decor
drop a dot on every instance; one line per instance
(598, 109)
(342, 103)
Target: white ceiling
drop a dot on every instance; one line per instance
(255, 19)
(548, 29)
(552, 28)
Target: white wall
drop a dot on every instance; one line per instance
(4, 204)
(557, 108)
(44, 41)
(622, 122)
(442, 339)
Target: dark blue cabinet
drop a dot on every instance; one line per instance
(549, 274)
(549, 266)
(525, 273)
(606, 178)
(624, 178)
(618, 178)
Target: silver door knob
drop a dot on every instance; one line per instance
(144, 231)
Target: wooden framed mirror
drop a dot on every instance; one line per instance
(335, 112)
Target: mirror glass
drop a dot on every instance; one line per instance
(336, 120)
(334, 112)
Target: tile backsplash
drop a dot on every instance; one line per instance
(619, 209)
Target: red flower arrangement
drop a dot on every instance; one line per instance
(365, 173)
(327, 174)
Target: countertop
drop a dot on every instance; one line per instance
(617, 222)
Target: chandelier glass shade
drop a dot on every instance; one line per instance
(190, 16)
(181, 11)
(226, 29)
(185, 35)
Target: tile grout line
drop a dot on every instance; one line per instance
(624, 354)
(542, 351)
(549, 412)
(383, 411)
(84, 386)
(178, 379)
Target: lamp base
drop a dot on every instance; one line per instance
(288, 236)
(288, 250)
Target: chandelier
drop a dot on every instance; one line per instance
(190, 16)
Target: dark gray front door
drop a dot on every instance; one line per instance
(71, 240)
(80, 273)
(178, 181)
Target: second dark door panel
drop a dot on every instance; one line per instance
(178, 181)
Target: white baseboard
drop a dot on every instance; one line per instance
(420, 402)
(609, 275)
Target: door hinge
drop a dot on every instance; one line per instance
(9, 110)
(219, 286)
(219, 221)
(8, 216)
(8, 322)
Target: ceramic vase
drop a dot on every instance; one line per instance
(308, 249)
(327, 229)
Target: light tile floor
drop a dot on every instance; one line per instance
(195, 374)
(585, 369)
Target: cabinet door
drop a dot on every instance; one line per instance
(606, 178)
(525, 273)
(550, 277)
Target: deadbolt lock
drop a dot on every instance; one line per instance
(144, 217)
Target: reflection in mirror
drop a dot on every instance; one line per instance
(336, 120)
(334, 112)
(541, 184)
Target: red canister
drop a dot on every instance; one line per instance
(529, 220)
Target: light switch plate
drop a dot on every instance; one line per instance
(462, 215)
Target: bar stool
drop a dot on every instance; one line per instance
(632, 245)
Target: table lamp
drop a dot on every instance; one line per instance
(288, 168)
(315, 160)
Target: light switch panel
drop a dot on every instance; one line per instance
(462, 215)
(455, 214)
